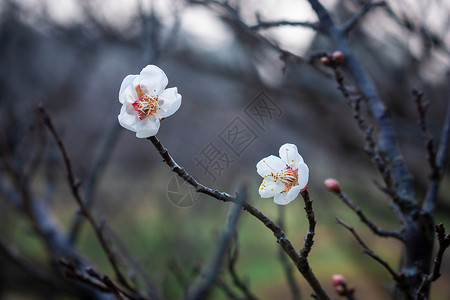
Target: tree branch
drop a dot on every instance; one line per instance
(353, 21)
(429, 204)
(211, 273)
(265, 25)
(397, 277)
(444, 243)
(74, 184)
(300, 262)
(387, 141)
(368, 222)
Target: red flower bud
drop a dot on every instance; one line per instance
(338, 280)
(333, 186)
(338, 57)
(325, 61)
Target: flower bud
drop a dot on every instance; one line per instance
(338, 58)
(338, 280)
(333, 186)
(324, 60)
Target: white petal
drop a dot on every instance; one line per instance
(269, 189)
(287, 197)
(128, 95)
(152, 79)
(269, 165)
(147, 127)
(169, 101)
(125, 83)
(127, 119)
(289, 154)
(303, 175)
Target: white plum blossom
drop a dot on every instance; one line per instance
(284, 177)
(145, 101)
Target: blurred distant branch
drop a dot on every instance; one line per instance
(438, 165)
(98, 166)
(264, 24)
(429, 39)
(233, 255)
(353, 21)
(300, 261)
(287, 267)
(210, 275)
(74, 184)
(39, 273)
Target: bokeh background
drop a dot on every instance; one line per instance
(72, 56)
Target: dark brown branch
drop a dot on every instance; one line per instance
(444, 243)
(309, 238)
(354, 101)
(368, 222)
(397, 277)
(300, 262)
(74, 184)
(265, 25)
(353, 21)
(95, 280)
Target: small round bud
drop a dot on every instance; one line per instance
(338, 57)
(325, 61)
(338, 280)
(333, 186)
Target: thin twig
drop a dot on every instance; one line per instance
(353, 21)
(375, 229)
(397, 277)
(265, 25)
(354, 101)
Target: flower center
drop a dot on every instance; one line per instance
(147, 105)
(288, 177)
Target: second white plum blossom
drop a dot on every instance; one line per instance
(284, 176)
(145, 101)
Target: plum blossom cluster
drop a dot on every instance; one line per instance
(284, 176)
(146, 101)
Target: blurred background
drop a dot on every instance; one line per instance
(73, 55)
